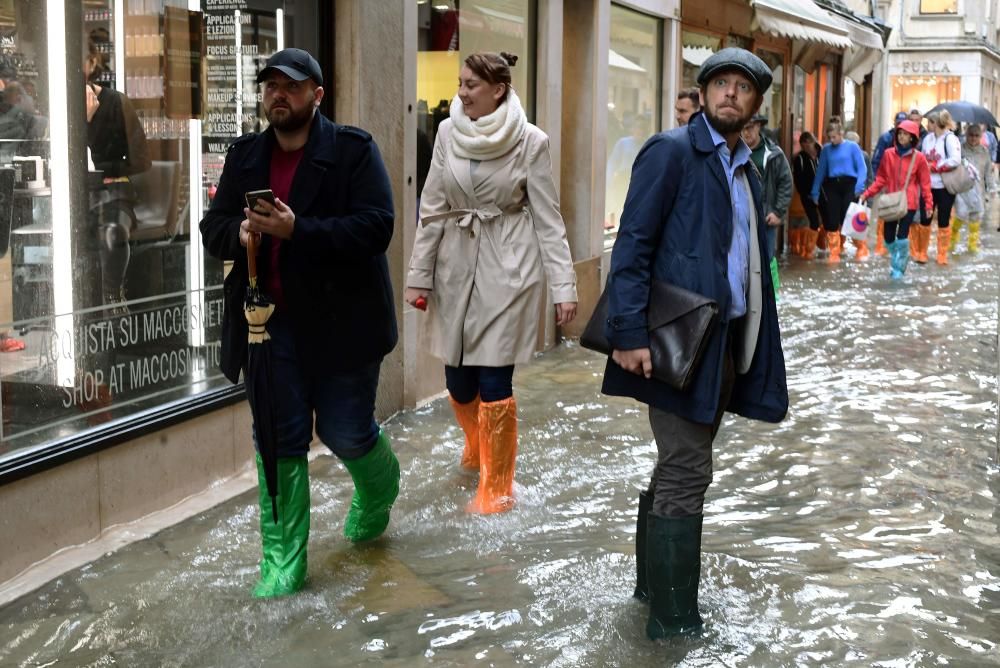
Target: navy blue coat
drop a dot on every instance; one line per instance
(676, 227)
(334, 273)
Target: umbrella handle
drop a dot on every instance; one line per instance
(252, 258)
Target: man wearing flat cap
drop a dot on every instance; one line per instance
(321, 260)
(694, 218)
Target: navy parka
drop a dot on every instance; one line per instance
(334, 272)
(677, 227)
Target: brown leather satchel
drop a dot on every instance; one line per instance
(680, 325)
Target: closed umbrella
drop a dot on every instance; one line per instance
(966, 112)
(259, 377)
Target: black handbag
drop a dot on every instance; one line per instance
(680, 324)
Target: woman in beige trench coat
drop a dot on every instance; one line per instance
(489, 227)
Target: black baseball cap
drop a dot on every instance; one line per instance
(295, 63)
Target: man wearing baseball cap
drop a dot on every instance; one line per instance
(694, 218)
(321, 260)
(885, 141)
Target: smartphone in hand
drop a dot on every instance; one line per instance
(255, 196)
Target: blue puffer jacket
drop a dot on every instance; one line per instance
(677, 227)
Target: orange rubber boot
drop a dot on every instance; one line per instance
(943, 241)
(833, 243)
(862, 249)
(923, 240)
(880, 248)
(795, 241)
(467, 416)
(809, 243)
(497, 452)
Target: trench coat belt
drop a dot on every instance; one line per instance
(466, 217)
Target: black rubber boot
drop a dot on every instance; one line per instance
(673, 568)
(645, 504)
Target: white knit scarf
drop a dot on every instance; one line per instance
(489, 136)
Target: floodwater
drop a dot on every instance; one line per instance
(863, 530)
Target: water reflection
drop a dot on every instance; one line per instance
(863, 529)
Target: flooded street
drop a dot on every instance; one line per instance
(863, 530)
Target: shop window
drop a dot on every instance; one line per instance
(634, 99)
(114, 123)
(800, 122)
(449, 32)
(938, 6)
(812, 101)
(923, 92)
(850, 104)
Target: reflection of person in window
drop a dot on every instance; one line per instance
(620, 166)
(18, 119)
(118, 150)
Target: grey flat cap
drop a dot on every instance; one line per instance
(740, 60)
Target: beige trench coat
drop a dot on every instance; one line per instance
(484, 239)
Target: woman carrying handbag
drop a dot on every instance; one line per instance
(944, 154)
(902, 199)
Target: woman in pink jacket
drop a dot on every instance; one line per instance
(892, 177)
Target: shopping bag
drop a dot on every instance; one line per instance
(856, 221)
(969, 205)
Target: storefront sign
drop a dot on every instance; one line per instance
(925, 67)
(127, 357)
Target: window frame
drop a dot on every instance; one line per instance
(924, 13)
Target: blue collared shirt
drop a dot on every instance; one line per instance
(739, 248)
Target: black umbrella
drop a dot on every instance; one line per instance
(966, 112)
(259, 377)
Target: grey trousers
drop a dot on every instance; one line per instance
(683, 468)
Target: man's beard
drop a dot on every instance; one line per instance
(292, 120)
(725, 126)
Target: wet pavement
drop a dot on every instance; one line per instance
(863, 530)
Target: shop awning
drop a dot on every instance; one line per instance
(867, 47)
(798, 19)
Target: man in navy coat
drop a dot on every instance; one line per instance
(693, 218)
(322, 262)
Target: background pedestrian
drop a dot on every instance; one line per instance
(944, 153)
(971, 208)
(841, 175)
(902, 167)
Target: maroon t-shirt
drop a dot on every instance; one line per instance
(283, 166)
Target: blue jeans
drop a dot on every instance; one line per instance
(490, 383)
(342, 401)
(772, 239)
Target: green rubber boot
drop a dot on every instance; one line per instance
(283, 564)
(376, 486)
(774, 277)
(673, 569)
